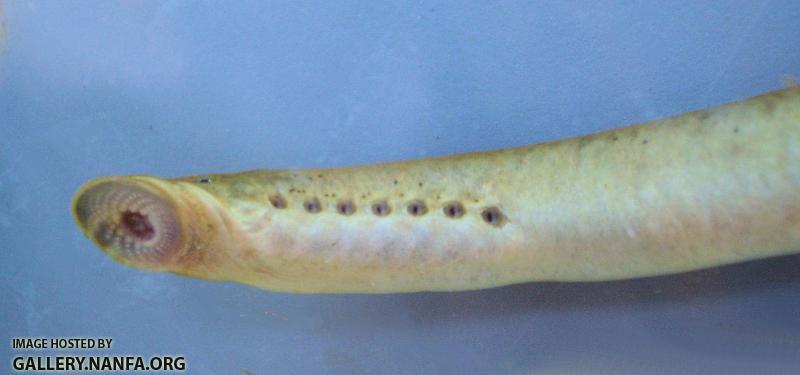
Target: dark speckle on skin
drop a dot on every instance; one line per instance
(735, 130)
(587, 140)
(644, 142)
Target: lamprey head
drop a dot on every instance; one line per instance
(132, 220)
(144, 222)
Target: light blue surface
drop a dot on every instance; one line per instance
(175, 88)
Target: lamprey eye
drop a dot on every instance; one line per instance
(131, 221)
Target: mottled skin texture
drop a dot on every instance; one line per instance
(699, 190)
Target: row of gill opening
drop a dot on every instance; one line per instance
(454, 210)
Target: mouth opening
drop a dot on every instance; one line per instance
(138, 225)
(133, 221)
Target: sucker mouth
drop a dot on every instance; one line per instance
(132, 220)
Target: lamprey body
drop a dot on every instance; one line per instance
(698, 190)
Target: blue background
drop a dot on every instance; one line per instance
(174, 88)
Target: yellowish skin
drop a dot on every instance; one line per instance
(698, 190)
